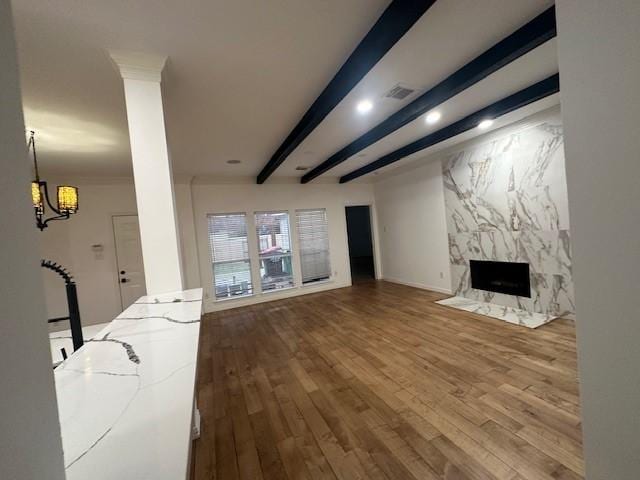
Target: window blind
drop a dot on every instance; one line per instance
(313, 236)
(230, 255)
(274, 248)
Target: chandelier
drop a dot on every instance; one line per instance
(67, 195)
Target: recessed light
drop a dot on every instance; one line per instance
(484, 124)
(302, 168)
(233, 162)
(364, 106)
(433, 117)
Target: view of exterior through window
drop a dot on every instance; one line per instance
(232, 262)
(274, 247)
(230, 255)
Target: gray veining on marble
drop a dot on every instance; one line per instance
(513, 315)
(506, 200)
(125, 399)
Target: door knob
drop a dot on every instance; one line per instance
(124, 280)
(122, 272)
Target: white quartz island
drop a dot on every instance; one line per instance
(126, 397)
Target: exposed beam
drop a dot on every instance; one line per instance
(537, 91)
(523, 40)
(396, 20)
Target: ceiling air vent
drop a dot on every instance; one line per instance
(399, 92)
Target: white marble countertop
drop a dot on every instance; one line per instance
(62, 339)
(126, 397)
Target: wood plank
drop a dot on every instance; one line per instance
(376, 381)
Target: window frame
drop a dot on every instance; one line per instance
(247, 259)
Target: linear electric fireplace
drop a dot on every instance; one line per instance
(511, 278)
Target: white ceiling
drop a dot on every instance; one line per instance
(523, 72)
(452, 144)
(242, 72)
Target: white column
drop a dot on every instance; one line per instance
(30, 444)
(141, 74)
(599, 55)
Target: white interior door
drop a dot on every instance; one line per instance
(129, 258)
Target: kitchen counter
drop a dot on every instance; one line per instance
(126, 398)
(62, 339)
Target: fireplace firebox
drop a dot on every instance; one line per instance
(511, 278)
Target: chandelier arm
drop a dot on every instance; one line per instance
(46, 196)
(32, 144)
(63, 216)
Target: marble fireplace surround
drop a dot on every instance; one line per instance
(506, 200)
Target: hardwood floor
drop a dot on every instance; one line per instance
(376, 381)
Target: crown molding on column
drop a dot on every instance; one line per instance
(138, 65)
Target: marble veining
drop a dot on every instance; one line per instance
(125, 399)
(62, 339)
(506, 200)
(513, 315)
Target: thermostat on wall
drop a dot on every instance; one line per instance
(98, 251)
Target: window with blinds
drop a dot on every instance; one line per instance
(230, 255)
(313, 237)
(274, 249)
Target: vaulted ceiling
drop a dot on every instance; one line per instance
(242, 73)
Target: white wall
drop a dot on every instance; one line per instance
(599, 54)
(187, 232)
(413, 229)
(410, 202)
(69, 242)
(30, 444)
(250, 198)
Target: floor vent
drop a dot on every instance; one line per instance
(399, 92)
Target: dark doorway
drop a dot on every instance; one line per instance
(360, 244)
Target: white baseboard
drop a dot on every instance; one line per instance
(419, 285)
(211, 306)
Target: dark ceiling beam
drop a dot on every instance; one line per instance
(396, 20)
(535, 92)
(533, 34)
